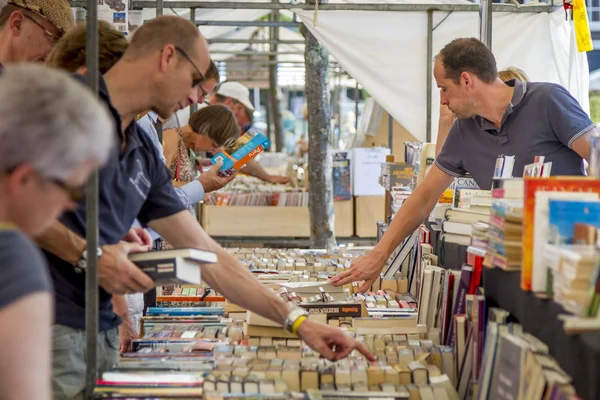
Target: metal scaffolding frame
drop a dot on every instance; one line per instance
(235, 5)
(485, 9)
(91, 232)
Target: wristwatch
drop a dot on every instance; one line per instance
(82, 263)
(292, 317)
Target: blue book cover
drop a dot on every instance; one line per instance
(237, 154)
(573, 221)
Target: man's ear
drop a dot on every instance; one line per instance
(167, 56)
(81, 71)
(467, 78)
(15, 22)
(22, 175)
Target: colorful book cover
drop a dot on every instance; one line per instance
(237, 154)
(402, 175)
(573, 221)
(462, 183)
(342, 182)
(533, 185)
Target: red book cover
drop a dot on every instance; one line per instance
(475, 258)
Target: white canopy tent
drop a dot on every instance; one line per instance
(387, 53)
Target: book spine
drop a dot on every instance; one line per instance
(459, 305)
(476, 275)
(482, 332)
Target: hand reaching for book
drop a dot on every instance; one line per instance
(212, 180)
(118, 275)
(127, 333)
(366, 268)
(331, 343)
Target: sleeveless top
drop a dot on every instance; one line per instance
(182, 170)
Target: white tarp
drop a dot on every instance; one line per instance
(386, 53)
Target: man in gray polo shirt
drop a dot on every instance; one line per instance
(493, 118)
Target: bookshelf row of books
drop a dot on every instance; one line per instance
(425, 325)
(227, 351)
(494, 359)
(541, 235)
(545, 228)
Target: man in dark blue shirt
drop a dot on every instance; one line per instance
(162, 70)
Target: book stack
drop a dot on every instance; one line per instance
(504, 234)
(570, 283)
(479, 234)
(469, 206)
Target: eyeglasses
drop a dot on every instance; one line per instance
(197, 81)
(53, 39)
(74, 193)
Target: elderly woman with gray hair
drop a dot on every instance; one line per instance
(53, 134)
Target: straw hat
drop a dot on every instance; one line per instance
(57, 12)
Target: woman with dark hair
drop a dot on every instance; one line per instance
(210, 129)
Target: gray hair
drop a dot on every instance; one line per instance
(51, 121)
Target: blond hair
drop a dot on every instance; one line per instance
(511, 73)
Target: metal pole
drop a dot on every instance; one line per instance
(91, 207)
(268, 24)
(485, 22)
(429, 73)
(380, 7)
(253, 41)
(159, 8)
(356, 107)
(193, 107)
(273, 81)
(391, 133)
(257, 98)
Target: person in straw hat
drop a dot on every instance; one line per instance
(29, 29)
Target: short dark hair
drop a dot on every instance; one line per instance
(6, 12)
(69, 52)
(212, 72)
(161, 31)
(468, 55)
(217, 122)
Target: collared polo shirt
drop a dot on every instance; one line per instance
(542, 119)
(133, 183)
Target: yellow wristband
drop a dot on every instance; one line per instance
(297, 324)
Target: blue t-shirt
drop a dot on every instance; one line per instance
(22, 268)
(542, 119)
(135, 183)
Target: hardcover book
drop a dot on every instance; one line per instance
(173, 266)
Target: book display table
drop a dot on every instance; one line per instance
(578, 355)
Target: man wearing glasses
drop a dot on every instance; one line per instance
(30, 29)
(166, 58)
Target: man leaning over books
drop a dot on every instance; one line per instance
(515, 118)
